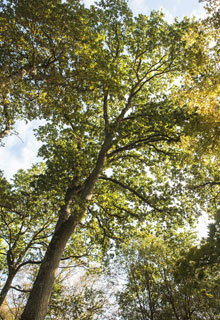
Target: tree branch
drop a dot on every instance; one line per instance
(10, 209)
(75, 257)
(145, 141)
(210, 183)
(21, 290)
(132, 190)
(86, 193)
(141, 82)
(105, 112)
(7, 128)
(28, 262)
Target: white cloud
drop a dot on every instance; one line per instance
(168, 15)
(88, 3)
(138, 6)
(199, 13)
(20, 151)
(202, 226)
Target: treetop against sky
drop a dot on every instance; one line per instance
(172, 8)
(21, 149)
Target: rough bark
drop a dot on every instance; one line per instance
(38, 301)
(37, 305)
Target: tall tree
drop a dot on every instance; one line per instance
(111, 147)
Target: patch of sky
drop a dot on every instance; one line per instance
(202, 225)
(171, 8)
(21, 148)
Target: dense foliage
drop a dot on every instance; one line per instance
(122, 148)
(162, 284)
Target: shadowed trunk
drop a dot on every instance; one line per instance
(7, 286)
(38, 301)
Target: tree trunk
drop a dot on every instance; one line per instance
(7, 286)
(38, 301)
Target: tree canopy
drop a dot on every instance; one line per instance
(115, 145)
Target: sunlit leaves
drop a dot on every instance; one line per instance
(156, 288)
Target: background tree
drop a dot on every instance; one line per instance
(84, 299)
(26, 224)
(24, 227)
(155, 287)
(199, 92)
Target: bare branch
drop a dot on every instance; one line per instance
(21, 290)
(105, 112)
(29, 262)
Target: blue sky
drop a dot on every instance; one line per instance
(21, 151)
(172, 8)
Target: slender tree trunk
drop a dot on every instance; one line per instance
(7, 286)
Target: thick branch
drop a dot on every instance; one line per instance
(65, 211)
(28, 262)
(127, 107)
(86, 193)
(145, 141)
(132, 190)
(75, 257)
